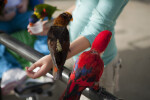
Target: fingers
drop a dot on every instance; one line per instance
(29, 70)
(34, 66)
(45, 64)
(42, 71)
(28, 27)
(44, 32)
(30, 73)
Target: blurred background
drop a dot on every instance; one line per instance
(133, 42)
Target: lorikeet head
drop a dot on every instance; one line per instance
(33, 19)
(67, 16)
(44, 10)
(63, 19)
(101, 41)
(38, 15)
(42, 14)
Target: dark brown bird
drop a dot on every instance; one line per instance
(59, 42)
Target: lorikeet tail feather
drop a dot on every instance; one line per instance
(72, 92)
(56, 73)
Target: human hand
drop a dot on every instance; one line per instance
(23, 6)
(8, 16)
(45, 29)
(45, 64)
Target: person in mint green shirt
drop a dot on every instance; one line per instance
(90, 17)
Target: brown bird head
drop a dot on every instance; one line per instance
(63, 19)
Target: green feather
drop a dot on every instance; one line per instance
(49, 9)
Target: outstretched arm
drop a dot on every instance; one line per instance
(46, 64)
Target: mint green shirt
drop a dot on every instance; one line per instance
(90, 17)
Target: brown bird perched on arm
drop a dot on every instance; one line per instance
(59, 42)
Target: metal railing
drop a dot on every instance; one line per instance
(32, 55)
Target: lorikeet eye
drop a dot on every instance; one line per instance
(34, 9)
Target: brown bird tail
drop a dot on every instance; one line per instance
(56, 73)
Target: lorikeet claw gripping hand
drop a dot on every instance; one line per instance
(41, 11)
(87, 69)
(59, 42)
(2, 5)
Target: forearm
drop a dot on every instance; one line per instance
(78, 46)
(45, 63)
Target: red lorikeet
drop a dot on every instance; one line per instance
(88, 68)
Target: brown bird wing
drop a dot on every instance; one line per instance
(58, 33)
(51, 46)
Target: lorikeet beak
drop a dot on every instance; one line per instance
(30, 24)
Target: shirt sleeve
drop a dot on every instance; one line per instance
(103, 18)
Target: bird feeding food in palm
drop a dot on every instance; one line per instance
(40, 12)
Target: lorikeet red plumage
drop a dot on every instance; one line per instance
(88, 68)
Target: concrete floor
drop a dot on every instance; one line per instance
(133, 42)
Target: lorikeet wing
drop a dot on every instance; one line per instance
(86, 73)
(58, 43)
(88, 68)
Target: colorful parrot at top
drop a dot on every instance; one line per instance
(41, 11)
(88, 68)
(59, 42)
(2, 5)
